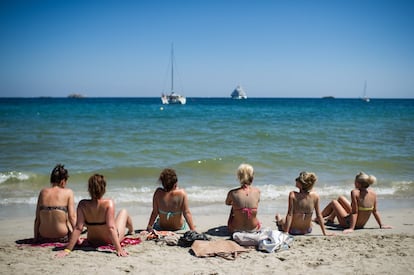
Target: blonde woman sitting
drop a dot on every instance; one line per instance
(244, 202)
(356, 214)
(298, 220)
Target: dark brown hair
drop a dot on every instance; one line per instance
(168, 178)
(96, 186)
(58, 174)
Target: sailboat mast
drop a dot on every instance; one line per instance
(172, 67)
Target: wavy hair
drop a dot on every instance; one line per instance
(308, 180)
(245, 174)
(168, 178)
(365, 180)
(96, 186)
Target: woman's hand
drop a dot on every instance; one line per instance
(62, 253)
(386, 227)
(122, 253)
(349, 230)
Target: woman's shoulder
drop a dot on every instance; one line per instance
(179, 192)
(84, 202)
(293, 193)
(314, 194)
(107, 202)
(68, 191)
(355, 192)
(234, 190)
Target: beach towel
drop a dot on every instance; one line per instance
(30, 242)
(226, 249)
(109, 247)
(82, 244)
(169, 237)
(248, 238)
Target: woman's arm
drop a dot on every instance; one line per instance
(378, 217)
(289, 215)
(71, 209)
(319, 215)
(37, 219)
(113, 231)
(186, 212)
(75, 234)
(229, 198)
(154, 212)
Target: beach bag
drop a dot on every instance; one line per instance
(274, 240)
(190, 236)
(247, 238)
(226, 249)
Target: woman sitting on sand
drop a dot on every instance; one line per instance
(355, 215)
(98, 215)
(244, 202)
(170, 205)
(55, 211)
(298, 220)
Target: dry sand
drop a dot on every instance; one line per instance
(368, 251)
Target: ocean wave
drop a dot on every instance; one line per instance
(136, 186)
(13, 176)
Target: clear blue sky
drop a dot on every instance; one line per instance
(280, 48)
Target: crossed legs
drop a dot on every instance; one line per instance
(339, 208)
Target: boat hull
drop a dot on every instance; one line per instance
(173, 99)
(238, 93)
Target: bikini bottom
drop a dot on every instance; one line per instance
(64, 239)
(158, 227)
(294, 231)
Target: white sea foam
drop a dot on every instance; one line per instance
(13, 175)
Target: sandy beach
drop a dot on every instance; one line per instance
(368, 251)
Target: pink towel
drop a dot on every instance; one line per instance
(83, 243)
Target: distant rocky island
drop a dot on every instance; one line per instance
(76, 96)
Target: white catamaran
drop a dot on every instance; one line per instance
(365, 97)
(173, 97)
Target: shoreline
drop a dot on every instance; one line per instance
(266, 207)
(366, 251)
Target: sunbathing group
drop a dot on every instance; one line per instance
(56, 219)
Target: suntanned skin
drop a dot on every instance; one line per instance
(246, 196)
(300, 209)
(54, 224)
(174, 201)
(341, 209)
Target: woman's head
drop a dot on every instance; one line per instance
(307, 180)
(245, 174)
(58, 174)
(168, 179)
(365, 180)
(96, 186)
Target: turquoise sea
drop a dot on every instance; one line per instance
(130, 140)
